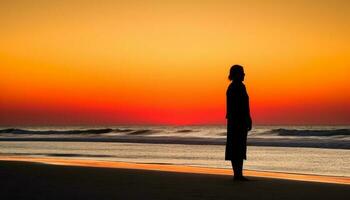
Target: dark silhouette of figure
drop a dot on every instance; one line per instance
(239, 121)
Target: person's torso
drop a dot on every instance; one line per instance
(237, 102)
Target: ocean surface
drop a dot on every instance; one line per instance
(323, 150)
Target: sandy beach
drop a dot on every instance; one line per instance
(53, 178)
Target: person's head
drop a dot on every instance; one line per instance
(236, 73)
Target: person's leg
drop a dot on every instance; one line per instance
(234, 169)
(236, 166)
(239, 170)
(240, 167)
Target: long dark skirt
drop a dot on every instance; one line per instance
(236, 142)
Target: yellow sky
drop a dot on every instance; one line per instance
(157, 55)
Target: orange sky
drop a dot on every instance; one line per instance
(162, 62)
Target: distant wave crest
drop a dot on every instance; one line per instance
(79, 131)
(184, 131)
(142, 132)
(119, 130)
(87, 131)
(319, 133)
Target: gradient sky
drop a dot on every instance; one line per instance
(72, 62)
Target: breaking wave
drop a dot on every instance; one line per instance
(319, 133)
(47, 132)
(337, 137)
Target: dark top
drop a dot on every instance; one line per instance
(237, 105)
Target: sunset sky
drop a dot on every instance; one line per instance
(70, 62)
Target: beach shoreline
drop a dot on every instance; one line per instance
(176, 168)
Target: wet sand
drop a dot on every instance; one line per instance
(53, 178)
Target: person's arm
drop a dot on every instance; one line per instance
(249, 123)
(229, 103)
(249, 119)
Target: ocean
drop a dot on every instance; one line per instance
(322, 150)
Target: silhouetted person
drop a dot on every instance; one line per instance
(239, 121)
